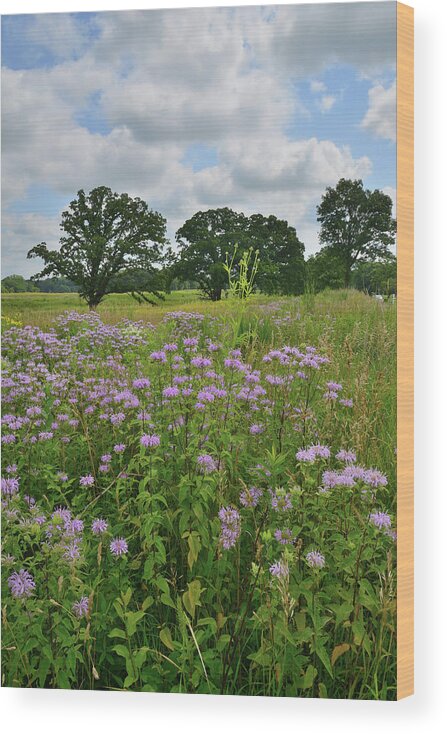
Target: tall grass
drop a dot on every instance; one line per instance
(228, 560)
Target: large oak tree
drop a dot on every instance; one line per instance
(356, 224)
(209, 236)
(106, 236)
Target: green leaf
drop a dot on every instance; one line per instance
(117, 633)
(338, 651)
(191, 597)
(165, 637)
(126, 597)
(324, 657)
(122, 651)
(130, 680)
(162, 585)
(194, 545)
(140, 658)
(207, 622)
(307, 680)
(132, 619)
(222, 642)
(261, 657)
(147, 603)
(166, 599)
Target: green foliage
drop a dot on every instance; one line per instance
(208, 239)
(376, 277)
(56, 285)
(242, 274)
(106, 236)
(356, 224)
(179, 612)
(17, 284)
(324, 270)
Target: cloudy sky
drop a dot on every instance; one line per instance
(255, 108)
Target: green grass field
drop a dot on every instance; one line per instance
(357, 332)
(163, 600)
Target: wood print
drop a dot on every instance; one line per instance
(207, 351)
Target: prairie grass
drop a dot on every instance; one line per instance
(199, 521)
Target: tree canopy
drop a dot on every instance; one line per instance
(106, 236)
(324, 270)
(356, 224)
(208, 237)
(17, 284)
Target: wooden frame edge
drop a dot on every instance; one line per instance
(405, 350)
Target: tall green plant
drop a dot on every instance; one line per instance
(241, 275)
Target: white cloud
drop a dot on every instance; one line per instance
(380, 118)
(165, 79)
(327, 102)
(19, 235)
(317, 87)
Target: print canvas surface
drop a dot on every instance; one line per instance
(199, 338)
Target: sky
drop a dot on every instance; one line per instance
(257, 108)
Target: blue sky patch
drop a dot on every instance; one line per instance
(199, 156)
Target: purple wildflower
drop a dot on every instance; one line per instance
(80, 608)
(256, 428)
(315, 559)
(150, 440)
(99, 526)
(374, 478)
(171, 392)
(349, 457)
(230, 531)
(380, 520)
(206, 463)
(333, 386)
(119, 448)
(338, 479)
(87, 481)
(141, 383)
(347, 402)
(118, 546)
(249, 497)
(73, 550)
(201, 362)
(280, 569)
(10, 486)
(281, 501)
(312, 453)
(284, 537)
(21, 584)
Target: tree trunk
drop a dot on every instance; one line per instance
(347, 275)
(216, 294)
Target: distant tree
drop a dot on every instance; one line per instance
(356, 224)
(378, 277)
(106, 234)
(281, 255)
(208, 238)
(17, 284)
(205, 240)
(57, 285)
(177, 284)
(324, 270)
(140, 284)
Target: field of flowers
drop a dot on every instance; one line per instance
(202, 506)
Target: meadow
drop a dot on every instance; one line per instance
(200, 497)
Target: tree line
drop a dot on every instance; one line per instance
(113, 243)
